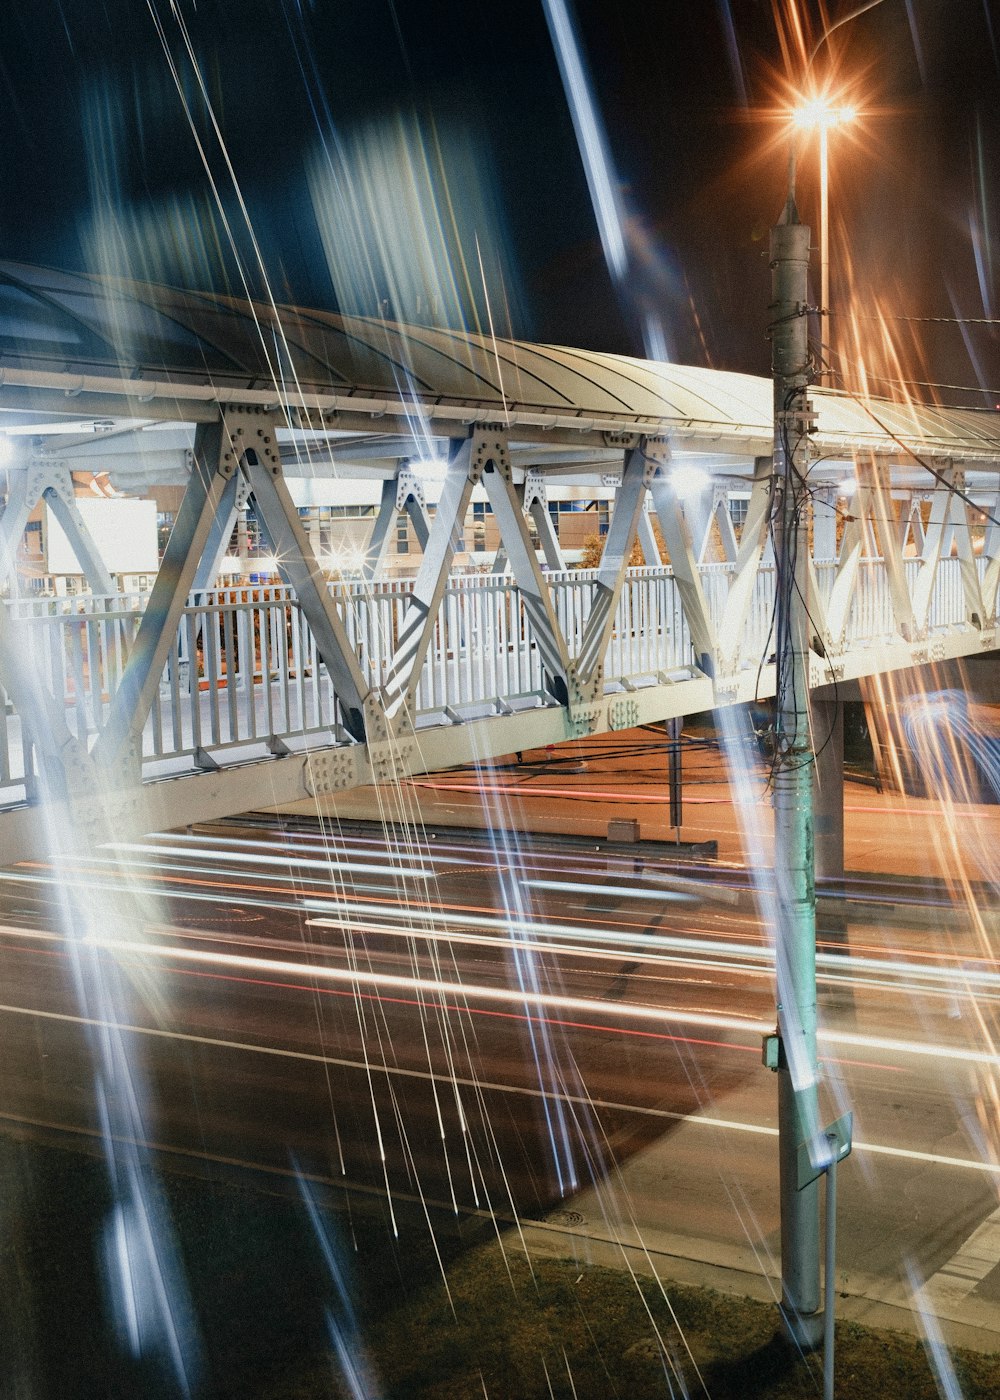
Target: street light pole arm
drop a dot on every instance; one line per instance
(845, 19)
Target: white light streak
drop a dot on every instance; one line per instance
(543, 1001)
(330, 866)
(590, 138)
(620, 891)
(480, 1086)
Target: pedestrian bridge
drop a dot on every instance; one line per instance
(129, 711)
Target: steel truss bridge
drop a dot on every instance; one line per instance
(131, 712)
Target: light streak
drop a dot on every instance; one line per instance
(515, 789)
(438, 987)
(698, 1119)
(623, 891)
(707, 950)
(934, 1343)
(329, 867)
(428, 851)
(590, 137)
(658, 951)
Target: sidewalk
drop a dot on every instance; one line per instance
(577, 788)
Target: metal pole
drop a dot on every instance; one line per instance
(674, 728)
(824, 249)
(829, 1273)
(792, 784)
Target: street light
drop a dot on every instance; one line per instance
(821, 115)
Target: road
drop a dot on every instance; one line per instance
(527, 1028)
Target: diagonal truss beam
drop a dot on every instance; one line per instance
(962, 520)
(647, 536)
(51, 481)
(724, 523)
(930, 554)
(402, 493)
(873, 529)
(420, 618)
(43, 715)
(991, 553)
(261, 463)
(854, 544)
(748, 559)
(682, 551)
(534, 499)
(536, 597)
(641, 464)
(214, 465)
(231, 506)
(892, 544)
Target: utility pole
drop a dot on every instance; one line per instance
(796, 1063)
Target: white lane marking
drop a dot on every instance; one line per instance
(966, 1269)
(484, 1086)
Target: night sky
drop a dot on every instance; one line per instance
(103, 172)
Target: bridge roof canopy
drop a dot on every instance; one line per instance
(128, 345)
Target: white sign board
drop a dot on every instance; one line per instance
(123, 530)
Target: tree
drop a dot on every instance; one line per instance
(593, 550)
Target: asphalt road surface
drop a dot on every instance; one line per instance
(541, 1030)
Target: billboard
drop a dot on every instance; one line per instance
(123, 530)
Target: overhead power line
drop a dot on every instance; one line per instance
(921, 320)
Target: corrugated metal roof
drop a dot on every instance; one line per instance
(69, 323)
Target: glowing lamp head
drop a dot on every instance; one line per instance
(818, 112)
(847, 487)
(688, 481)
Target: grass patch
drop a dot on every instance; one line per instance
(272, 1320)
(554, 1329)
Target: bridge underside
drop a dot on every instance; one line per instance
(129, 712)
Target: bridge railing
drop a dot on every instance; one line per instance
(244, 667)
